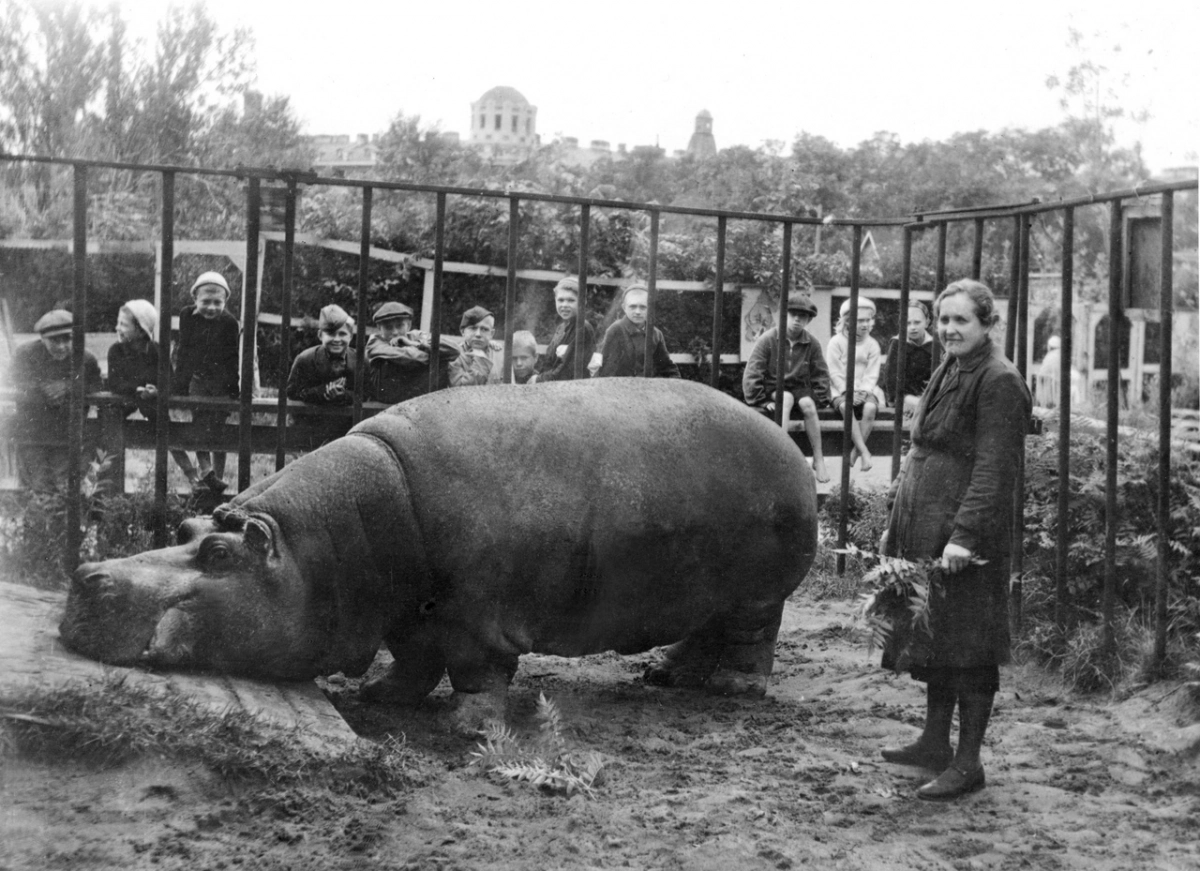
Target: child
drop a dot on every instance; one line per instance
(806, 378)
(624, 351)
(324, 374)
(918, 361)
(43, 373)
(865, 396)
(524, 358)
(559, 361)
(133, 366)
(206, 364)
(474, 363)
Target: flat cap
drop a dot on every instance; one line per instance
(391, 311)
(473, 316)
(799, 301)
(53, 322)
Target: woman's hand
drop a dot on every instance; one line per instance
(955, 558)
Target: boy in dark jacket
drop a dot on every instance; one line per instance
(558, 363)
(206, 364)
(624, 351)
(806, 376)
(324, 374)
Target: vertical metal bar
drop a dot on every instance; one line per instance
(1167, 311)
(249, 324)
(285, 320)
(162, 424)
(1014, 281)
(977, 251)
(902, 350)
(785, 284)
(435, 319)
(578, 364)
(1021, 347)
(848, 405)
(718, 305)
(940, 281)
(1115, 272)
(1021, 350)
(510, 287)
(364, 285)
(76, 406)
(652, 295)
(1061, 590)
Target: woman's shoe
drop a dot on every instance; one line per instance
(915, 754)
(952, 783)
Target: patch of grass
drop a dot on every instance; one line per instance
(111, 722)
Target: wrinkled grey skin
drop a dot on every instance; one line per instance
(469, 526)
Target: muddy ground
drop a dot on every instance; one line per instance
(691, 782)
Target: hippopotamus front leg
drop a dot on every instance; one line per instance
(417, 667)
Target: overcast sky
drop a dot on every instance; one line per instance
(638, 71)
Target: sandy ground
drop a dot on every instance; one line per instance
(691, 782)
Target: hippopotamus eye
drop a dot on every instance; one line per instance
(215, 553)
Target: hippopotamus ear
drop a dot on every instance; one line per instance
(259, 536)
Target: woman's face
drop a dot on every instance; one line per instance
(917, 324)
(336, 341)
(959, 327)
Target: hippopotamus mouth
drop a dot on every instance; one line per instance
(129, 624)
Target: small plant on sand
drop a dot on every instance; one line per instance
(547, 764)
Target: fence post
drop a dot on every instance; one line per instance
(364, 282)
(1115, 259)
(435, 317)
(1167, 310)
(651, 297)
(76, 406)
(1061, 591)
(578, 364)
(510, 285)
(718, 306)
(162, 423)
(781, 361)
(902, 349)
(249, 326)
(848, 404)
(285, 320)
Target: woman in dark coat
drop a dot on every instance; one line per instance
(953, 501)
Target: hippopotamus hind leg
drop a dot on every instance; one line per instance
(690, 662)
(480, 677)
(747, 654)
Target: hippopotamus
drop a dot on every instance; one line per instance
(466, 527)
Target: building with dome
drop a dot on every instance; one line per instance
(703, 145)
(504, 123)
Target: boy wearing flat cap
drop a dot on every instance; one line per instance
(43, 373)
(206, 364)
(398, 356)
(806, 375)
(474, 365)
(324, 374)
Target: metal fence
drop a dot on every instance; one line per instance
(1019, 217)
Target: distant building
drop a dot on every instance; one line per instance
(703, 145)
(504, 124)
(341, 157)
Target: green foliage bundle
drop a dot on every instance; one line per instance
(547, 764)
(897, 600)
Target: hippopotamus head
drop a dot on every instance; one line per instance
(229, 597)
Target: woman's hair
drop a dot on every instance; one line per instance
(980, 295)
(843, 324)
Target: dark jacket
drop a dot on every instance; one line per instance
(806, 369)
(624, 352)
(957, 485)
(129, 368)
(918, 367)
(43, 406)
(555, 368)
(313, 369)
(207, 351)
(399, 370)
